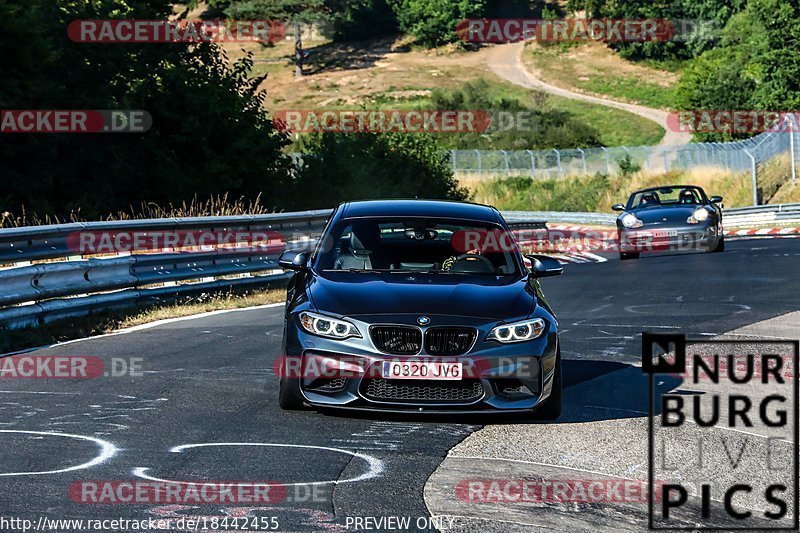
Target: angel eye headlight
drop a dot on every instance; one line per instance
(525, 330)
(325, 326)
(630, 221)
(700, 215)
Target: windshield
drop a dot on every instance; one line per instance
(435, 246)
(666, 196)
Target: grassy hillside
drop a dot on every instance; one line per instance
(393, 74)
(593, 68)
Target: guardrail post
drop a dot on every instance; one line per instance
(754, 176)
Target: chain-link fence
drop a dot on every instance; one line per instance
(770, 158)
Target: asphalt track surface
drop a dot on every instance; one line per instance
(209, 381)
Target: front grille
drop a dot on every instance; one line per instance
(397, 340)
(413, 390)
(449, 341)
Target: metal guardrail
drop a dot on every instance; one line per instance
(75, 284)
(599, 219)
(762, 214)
(778, 214)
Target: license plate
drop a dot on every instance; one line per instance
(668, 233)
(421, 370)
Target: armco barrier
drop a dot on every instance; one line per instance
(70, 284)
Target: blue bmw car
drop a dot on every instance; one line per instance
(424, 306)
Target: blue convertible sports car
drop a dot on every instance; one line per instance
(414, 305)
(674, 217)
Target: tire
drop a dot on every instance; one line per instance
(628, 255)
(720, 246)
(289, 397)
(551, 408)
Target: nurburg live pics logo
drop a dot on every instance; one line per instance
(722, 433)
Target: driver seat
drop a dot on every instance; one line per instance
(357, 254)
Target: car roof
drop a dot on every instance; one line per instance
(667, 187)
(420, 208)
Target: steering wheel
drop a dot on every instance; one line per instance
(483, 259)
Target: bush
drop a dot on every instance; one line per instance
(546, 127)
(628, 167)
(340, 167)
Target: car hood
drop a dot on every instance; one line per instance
(354, 294)
(654, 215)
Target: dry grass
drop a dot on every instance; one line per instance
(597, 193)
(102, 323)
(221, 205)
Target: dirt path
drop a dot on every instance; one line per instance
(506, 61)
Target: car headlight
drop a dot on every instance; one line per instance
(700, 215)
(525, 330)
(325, 326)
(630, 221)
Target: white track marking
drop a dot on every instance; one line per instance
(375, 465)
(107, 451)
(595, 257)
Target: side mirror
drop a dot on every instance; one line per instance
(618, 207)
(543, 266)
(715, 199)
(290, 260)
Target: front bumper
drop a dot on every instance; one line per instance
(668, 238)
(496, 378)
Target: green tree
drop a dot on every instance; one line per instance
(339, 167)
(356, 20)
(210, 133)
(755, 67)
(690, 40)
(433, 22)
